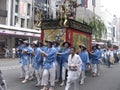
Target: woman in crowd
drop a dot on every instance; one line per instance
(31, 56)
(57, 47)
(74, 70)
(25, 62)
(85, 60)
(110, 56)
(64, 59)
(37, 61)
(20, 47)
(96, 56)
(49, 66)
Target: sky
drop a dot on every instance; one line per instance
(113, 6)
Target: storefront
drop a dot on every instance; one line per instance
(9, 37)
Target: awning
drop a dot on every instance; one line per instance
(10, 30)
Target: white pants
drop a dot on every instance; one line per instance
(45, 77)
(82, 75)
(31, 66)
(70, 82)
(13, 55)
(31, 70)
(64, 68)
(25, 71)
(96, 68)
(38, 74)
(57, 70)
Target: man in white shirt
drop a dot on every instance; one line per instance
(75, 65)
(13, 52)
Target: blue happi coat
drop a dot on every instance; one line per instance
(64, 55)
(96, 56)
(50, 58)
(42, 48)
(24, 56)
(20, 48)
(30, 55)
(85, 59)
(38, 58)
(58, 57)
(57, 48)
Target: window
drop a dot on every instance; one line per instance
(28, 23)
(16, 20)
(28, 9)
(22, 22)
(113, 31)
(16, 6)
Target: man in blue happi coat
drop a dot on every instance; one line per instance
(49, 66)
(65, 52)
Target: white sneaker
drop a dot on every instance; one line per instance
(31, 78)
(57, 80)
(38, 84)
(44, 88)
(82, 82)
(62, 84)
(24, 81)
(51, 88)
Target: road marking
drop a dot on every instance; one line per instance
(9, 68)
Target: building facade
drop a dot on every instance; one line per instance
(21, 13)
(16, 22)
(3, 11)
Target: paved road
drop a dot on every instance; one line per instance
(109, 79)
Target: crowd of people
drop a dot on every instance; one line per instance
(53, 63)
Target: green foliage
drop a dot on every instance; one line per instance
(98, 28)
(80, 20)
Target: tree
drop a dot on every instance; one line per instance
(98, 28)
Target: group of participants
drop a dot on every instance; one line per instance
(110, 56)
(50, 63)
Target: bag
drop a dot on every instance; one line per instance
(112, 60)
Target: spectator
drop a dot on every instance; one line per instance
(13, 52)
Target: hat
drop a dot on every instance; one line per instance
(82, 45)
(49, 41)
(20, 40)
(67, 43)
(35, 42)
(58, 43)
(26, 41)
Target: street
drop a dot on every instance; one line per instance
(108, 80)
